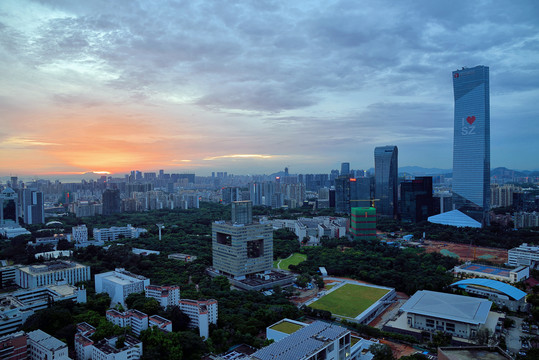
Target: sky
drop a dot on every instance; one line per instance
(250, 87)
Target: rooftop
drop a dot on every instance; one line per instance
(448, 306)
(46, 340)
(507, 289)
(302, 343)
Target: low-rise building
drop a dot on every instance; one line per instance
(182, 257)
(201, 313)
(108, 349)
(160, 322)
(137, 320)
(44, 346)
(14, 346)
(49, 273)
(460, 316)
(502, 294)
(17, 306)
(318, 340)
(524, 255)
(165, 295)
(83, 342)
(119, 284)
(8, 275)
(492, 272)
(113, 233)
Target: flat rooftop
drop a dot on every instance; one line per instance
(485, 269)
(303, 342)
(287, 327)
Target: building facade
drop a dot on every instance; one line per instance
(363, 223)
(165, 295)
(202, 313)
(417, 203)
(14, 346)
(386, 168)
(137, 320)
(524, 255)
(50, 273)
(119, 284)
(44, 346)
(471, 143)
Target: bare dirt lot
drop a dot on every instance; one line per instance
(467, 252)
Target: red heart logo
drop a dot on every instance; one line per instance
(470, 119)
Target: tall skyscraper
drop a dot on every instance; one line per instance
(417, 203)
(471, 143)
(386, 168)
(345, 169)
(111, 202)
(32, 204)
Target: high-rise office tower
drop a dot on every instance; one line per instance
(417, 203)
(471, 143)
(242, 249)
(363, 223)
(111, 202)
(345, 169)
(33, 209)
(386, 187)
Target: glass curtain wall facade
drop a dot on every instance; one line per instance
(471, 144)
(386, 169)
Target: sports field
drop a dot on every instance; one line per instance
(293, 259)
(349, 300)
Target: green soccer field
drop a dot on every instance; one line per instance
(349, 300)
(294, 259)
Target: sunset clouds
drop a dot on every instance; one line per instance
(253, 86)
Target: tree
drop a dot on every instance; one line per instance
(381, 352)
(483, 336)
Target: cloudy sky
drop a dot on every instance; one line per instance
(254, 86)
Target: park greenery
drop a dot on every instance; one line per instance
(243, 316)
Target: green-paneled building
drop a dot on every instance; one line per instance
(363, 223)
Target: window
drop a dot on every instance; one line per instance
(430, 323)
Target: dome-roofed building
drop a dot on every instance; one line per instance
(500, 293)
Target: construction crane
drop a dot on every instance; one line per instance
(371, 200)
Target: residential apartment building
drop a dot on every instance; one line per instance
(137, 320)
(165, 295)
(202, 314)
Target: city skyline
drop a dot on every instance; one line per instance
(251, 88)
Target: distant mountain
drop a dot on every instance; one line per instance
(503, 172)
(419, 171)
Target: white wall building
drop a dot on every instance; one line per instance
(524, 255)
(119, 284)
(32, 276)
(112, 234)
(83, 342)
(202, 314)
(79, 234)
(17, 306)
(160, 322)
(106, 349)
(43, 346)
(165, 295)
(137, 320)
